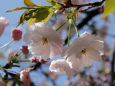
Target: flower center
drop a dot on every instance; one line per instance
(44, 41)
(84, 51)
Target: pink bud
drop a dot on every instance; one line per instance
(16, 34)
(25, 78)
(105, 79)
(43, 61)
(2, 83)
(24, 50)
(34, 59)
(3, 23)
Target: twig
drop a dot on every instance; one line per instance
(112, 68)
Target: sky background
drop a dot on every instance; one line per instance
(13, 19)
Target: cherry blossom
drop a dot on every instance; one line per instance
(84, 51)
(3, 23)
(43, 41)
(62, 66)
(25, 78)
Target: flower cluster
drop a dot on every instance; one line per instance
(46, 43)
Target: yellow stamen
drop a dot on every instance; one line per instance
(83, 51)
(44, 40)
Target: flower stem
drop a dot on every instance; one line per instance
(6, 44)
(62, 25)
(76, 29)
(69, 32)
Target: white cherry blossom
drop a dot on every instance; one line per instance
(62, 66)
(84, 51)
(43, 41)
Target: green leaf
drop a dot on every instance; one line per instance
(29, 3)
(109, 7)
(25, 16)
(32, 20)
(19, 8)
(38, 14)
(43, 14)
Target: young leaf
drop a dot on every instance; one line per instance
(19, 8)
(109, 7)
(25, 16)
(43, 14)
(38, 14)
(29, 3)
(32, 20)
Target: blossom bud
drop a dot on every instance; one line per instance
(34, 59)
(2, 83)
(24, 50)
(43, 61)
(25, 78)
(105, 79)
(16, 34)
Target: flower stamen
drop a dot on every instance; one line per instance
(83, 51)
(44, 41)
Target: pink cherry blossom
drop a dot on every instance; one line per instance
(43, 41)
(2, 83)
(25, 78)
(3, 23)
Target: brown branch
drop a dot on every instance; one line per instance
(112, 68)
(84, 5)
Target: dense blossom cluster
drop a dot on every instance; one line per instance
(46, 43)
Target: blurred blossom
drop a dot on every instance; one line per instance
(2, 83)
(107, 50)
(34, 59)
(107, 66)
(73, 32)
(25, 78)
(68, 83)
(105, 78)
(10, 83)
(84, 51)
(42, 61)
(54, 75)
(77, 2)
(44, 83)
(103, 31)
(106, 19)
(78, 15)
(59, 22)
(43, 41)
(16, 34)
(80, 82)
(91, 80)
(10, 54)
(3, 23)
(62, 66)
